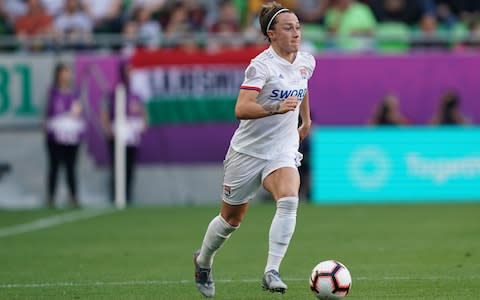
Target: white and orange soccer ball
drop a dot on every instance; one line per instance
(330, 279)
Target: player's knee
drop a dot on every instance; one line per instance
(285, 190)
(287, 206)
(286, 193)
(233, 220)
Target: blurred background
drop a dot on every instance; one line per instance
(394, 98)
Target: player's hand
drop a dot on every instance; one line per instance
(304, 130)
(290, 104)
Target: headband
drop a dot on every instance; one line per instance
(273, 17)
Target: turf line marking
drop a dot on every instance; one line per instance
(189, 281)
(52, 221)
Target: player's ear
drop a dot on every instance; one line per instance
(270, 34)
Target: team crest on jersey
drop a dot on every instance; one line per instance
(303, 72)
(227, 190)
(251, 72)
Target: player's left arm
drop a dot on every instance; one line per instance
(304, 129)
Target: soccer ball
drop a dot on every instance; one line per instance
(330, 279)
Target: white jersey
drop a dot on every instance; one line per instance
(275, 79)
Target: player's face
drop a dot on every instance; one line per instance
(287, 32)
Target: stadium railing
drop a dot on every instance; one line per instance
(384, 40)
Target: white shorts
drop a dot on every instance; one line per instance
(244, 174)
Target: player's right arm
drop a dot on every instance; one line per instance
(248, 108)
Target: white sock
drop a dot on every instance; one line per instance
(218, 232)
(281, 231)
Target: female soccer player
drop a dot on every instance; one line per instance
(264, 148)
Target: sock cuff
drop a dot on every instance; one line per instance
(287, 206)
(288, 198)
(291, 201)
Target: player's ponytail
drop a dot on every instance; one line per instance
(268, 16)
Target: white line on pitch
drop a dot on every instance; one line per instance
(185, 281)
(52, 221)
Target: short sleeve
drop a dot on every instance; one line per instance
(255, 77)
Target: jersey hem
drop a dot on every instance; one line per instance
(256, 155)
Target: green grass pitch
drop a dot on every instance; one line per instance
(392, 251)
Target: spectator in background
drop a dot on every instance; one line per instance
(403, 11)
(154, 6)
(388, 112)
(467, 11)
(74, 25)
(53, 7)
(12, 9)
(352, 23)
(64, 127)
(106, 14)
(196, 14)
(179, 29)
(446, 15)
(132, 130)
(448, 111)
(129, 36)
(312, 11)
(226, 28)
(178, 21)
(212, 11)
(147, 31)
(428, 25)
(35, 23)
(428, 36)
(227, 20)
(251, 23)
(474, 42)
(5, 25)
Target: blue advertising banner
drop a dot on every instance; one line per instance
(383, 164)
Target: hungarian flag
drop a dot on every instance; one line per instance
(190, 87)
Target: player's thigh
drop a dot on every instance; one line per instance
(280, 176)
(242, 177)
(283, 182)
